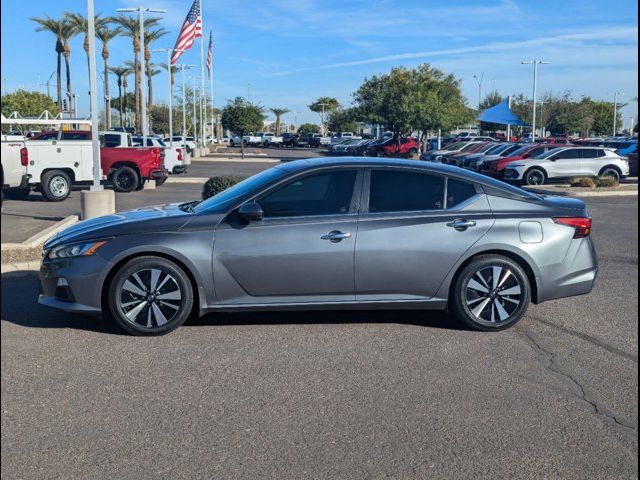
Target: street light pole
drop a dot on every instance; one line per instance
(143, 104)
(182, 67)
(615, 111)
(195, 110)
(535, 64)
(479, 82)
(93, 99)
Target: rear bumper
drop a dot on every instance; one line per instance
(576, 275)
(158, 174)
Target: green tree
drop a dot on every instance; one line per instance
(27, 104)
(308, 128)
(242, 117)
(342, 120)
(437, 101)
(121, 73)
(131, 28)
(105, 35)
(279, 112)
(323, 106)
(62, 30)
(388, 100)
(80, 25)
(151, 36)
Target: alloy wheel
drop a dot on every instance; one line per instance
(493, 294)
(535, 177)
(150, 298)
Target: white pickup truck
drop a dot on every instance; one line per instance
(174, 159)
(269, 139)
(15, 159)
(188, 143)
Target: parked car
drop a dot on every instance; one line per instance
(59, 162)
(436, 246)
(436, 155)
(569, 162)
(495, 167)
(188, 143)
(499, 150)
(290, 139)
(457, 158)
(408, 146)
(269, 139)
(15, 158)
(340, 136)
(318, 140)
(174, 160)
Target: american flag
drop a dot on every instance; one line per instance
(210, 52)
(191, 29)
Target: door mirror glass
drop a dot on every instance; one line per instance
(251, 212)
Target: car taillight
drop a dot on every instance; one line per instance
(24, 156)
(582, 225)
(179, 154)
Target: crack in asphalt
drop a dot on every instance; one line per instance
(554, 366)
(588, 338)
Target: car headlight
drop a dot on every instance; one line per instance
(75, 250)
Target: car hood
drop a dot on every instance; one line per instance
(160, 218)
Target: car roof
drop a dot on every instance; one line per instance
(491, 185)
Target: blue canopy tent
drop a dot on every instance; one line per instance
(502, 115)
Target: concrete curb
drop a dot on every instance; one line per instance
(247, 159)
(624, 193)
(187, 180)
(41, 237)
(21, 269)
(582, 193)
(234, 154)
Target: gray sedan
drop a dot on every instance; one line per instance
(341, 233)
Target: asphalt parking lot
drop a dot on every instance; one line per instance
(385, 394)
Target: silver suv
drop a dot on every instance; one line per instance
(565, 162)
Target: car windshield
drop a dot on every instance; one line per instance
(220, 202)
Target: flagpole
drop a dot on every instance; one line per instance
(202, 126)
(213, 134)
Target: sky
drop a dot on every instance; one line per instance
(287, 53)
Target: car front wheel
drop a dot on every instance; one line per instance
(535, 176)
(150, 296)
(491, 293)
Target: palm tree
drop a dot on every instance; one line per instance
(121, 74)
(62, 30)
(131, 28)
(80, 25)
(105, 35)
(278, 112)
(150, 36)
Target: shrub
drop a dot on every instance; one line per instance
(215, 185)
(585, 182)
(604, 182)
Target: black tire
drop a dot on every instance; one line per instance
(467, 295)
(535, 176)
(17, 193)
(125, 179)
(55, 185)
(125, 291)
(612, 172)
(141, 185)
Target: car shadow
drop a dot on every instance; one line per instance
(20, 306)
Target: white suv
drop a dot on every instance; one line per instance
(565, 162)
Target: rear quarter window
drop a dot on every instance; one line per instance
(459, 192)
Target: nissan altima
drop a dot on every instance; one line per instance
(331, 233)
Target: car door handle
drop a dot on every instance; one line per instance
(335, 236)
(461, 224)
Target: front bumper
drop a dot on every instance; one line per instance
(84, 277)
(511, 174)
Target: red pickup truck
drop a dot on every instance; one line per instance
(126, 168)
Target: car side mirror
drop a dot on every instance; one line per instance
(251, 212)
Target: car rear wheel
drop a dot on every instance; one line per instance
(150, 296)
(55, 185)
(491, 293)
(535, 176)
(125, 179)
(611, 172)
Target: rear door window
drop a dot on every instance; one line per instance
(405, 191)
(458, 192)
